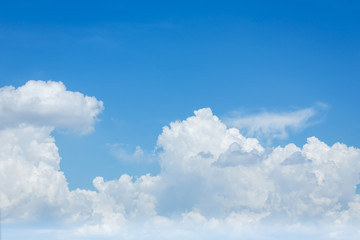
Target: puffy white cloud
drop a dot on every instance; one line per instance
(198, 141)
(31, 185)
(48, 103)
(214, 183)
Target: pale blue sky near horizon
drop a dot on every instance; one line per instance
(156, 62)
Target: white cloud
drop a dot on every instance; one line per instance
(30, 181)
(214, 183)
(48, 103)
(272, 125)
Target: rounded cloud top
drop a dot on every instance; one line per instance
(50, 104)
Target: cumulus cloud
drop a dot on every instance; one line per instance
(214, 183)
(48, 103)
(30, 181)
(272, 125)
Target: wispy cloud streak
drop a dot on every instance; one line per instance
(275, 125)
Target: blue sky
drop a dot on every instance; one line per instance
(152, 63)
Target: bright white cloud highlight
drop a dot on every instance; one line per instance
(48, 103)
(214, 183)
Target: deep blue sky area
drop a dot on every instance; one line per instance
(152, 62)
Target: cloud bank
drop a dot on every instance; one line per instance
(214, 182)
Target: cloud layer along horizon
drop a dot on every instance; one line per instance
(214, 182)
